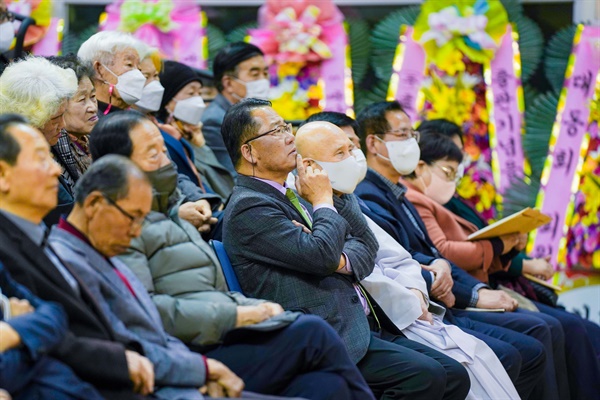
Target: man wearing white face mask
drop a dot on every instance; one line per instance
(115, 57)
(152, 95)
(240, 71)
(396, 282)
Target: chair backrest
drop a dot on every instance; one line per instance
(232, 281)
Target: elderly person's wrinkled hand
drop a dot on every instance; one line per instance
(199, 214)
(496, 299)
(222, 382)
(141, 372)
(425, 314)
(20, 307)
(443, 282)
(312, 183)
(539, 267)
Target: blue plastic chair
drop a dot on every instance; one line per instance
(230, 278)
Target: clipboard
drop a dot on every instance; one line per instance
(524, 221)
(543, 283)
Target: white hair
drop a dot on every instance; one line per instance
(35, 88)
(103, 46)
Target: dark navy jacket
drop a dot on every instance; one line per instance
(380, 204)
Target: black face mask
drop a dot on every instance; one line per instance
(164, 183)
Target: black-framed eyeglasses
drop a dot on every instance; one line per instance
(404, 134)
(135, 221)
(6, 16)
(285, 129)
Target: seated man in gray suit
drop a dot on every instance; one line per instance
(310, 254)
(274, 352)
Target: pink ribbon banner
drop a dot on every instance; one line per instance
(505, 114)
(49, 45)
(408, 72)
(560, 176)
(183, 43)
(334, 70)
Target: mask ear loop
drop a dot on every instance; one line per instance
(111, 87)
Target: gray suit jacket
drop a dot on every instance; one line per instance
(133, 317)
(212, 119)
(276, 260)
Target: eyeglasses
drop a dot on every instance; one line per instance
(135, 221)
(451, 173)
(7, 16)
(281, 130)
(404, 134)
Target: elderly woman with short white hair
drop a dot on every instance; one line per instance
(38, 90)
(115, 58)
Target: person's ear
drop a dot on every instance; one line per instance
(170, 106)
(5, 172)
(93, 203)
(422, 169)
(370, 141)
(227, 81)
(247, 153)
(100, 71)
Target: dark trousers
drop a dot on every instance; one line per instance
(547, 330)
(306, 359)
(522, 356)
(45, 378)
(398, 368)
(583, 368)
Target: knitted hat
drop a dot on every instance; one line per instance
(174, 76)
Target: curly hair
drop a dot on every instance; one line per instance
(35, 88)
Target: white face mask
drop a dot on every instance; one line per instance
(344, 175)
(151, 97)
(189, 110)
(7, 34)
(130, 85)
(362, 163)
(256, 89)
(404, 155)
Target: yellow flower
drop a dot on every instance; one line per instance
(450, 61)
(596, 258)
(467, 188)
(486, 195)
(288, 108)
(315, 92)
(289, 69)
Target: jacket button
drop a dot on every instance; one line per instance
(355, 299)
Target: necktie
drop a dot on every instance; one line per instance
(289, 193)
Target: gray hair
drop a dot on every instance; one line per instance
(35, 88)
(103, 46)
(109, 175)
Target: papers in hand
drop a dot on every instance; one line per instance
(522, 222)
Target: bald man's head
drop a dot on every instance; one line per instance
(322, 141)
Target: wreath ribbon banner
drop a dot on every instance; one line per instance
(179, 35)
(336, 74)
(568, 143)
(505, 108)
(408, 73)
